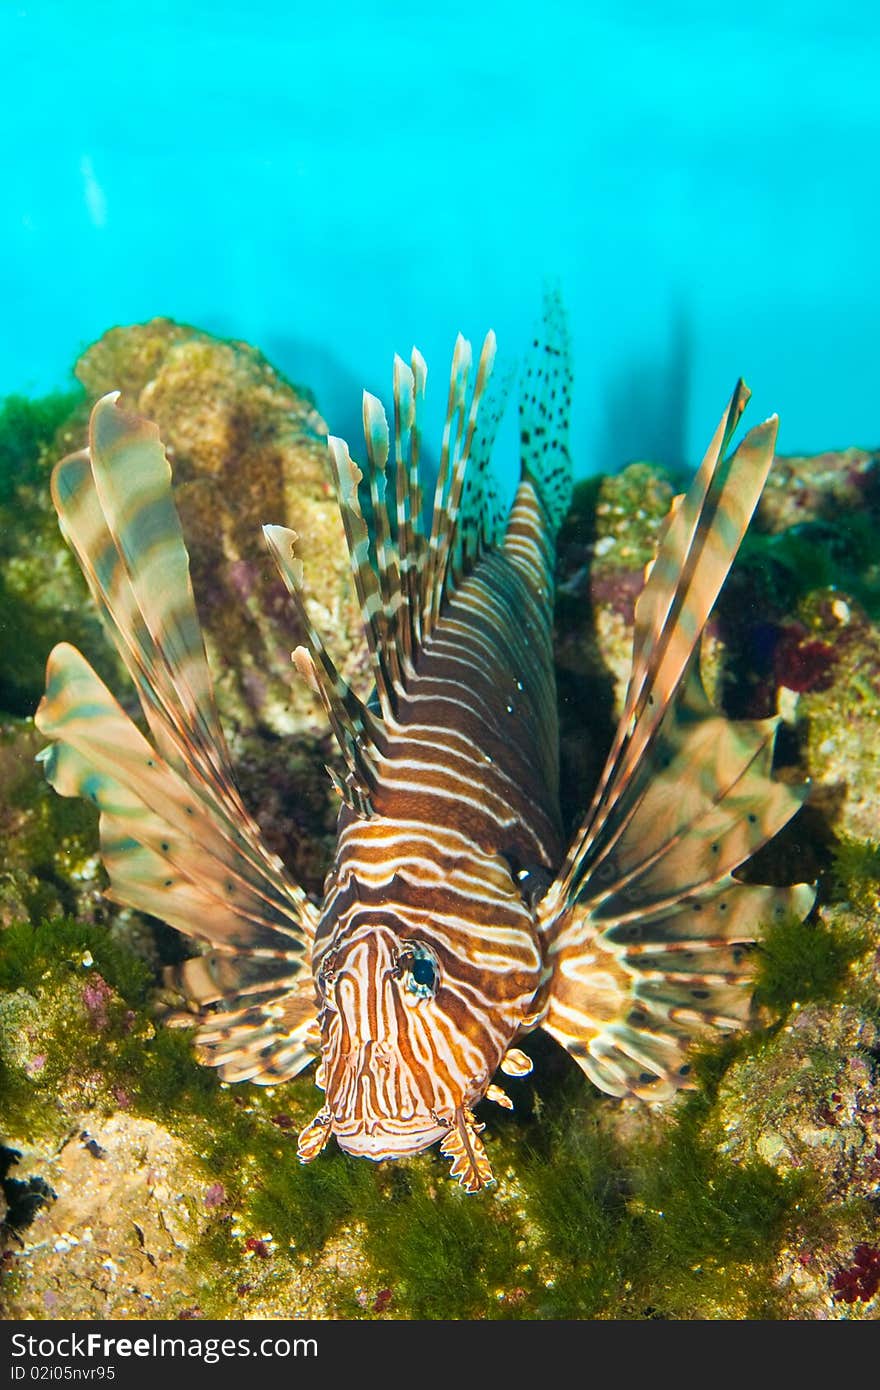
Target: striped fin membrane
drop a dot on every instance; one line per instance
(176, 839)
(650, 934)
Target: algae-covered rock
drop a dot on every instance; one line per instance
(808, 1106)
(811, 1102)
(607, 539)
(840, 714)
(819, 487)
(246, 448)
(43, 597)
(48, 844)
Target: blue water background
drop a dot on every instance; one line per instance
(332, 182)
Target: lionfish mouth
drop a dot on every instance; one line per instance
(374, 1138)
(387, 1138)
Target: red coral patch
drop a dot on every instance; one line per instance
(862, 1279)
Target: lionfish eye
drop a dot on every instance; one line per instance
(418, 970)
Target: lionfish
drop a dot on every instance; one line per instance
(455, 919)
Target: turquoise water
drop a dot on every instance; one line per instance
(334, 182)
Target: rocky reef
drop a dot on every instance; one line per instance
(135, 1184)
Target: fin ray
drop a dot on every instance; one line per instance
(648, 931)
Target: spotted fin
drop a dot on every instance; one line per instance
(650, 935)
(176, 839)
(544, 492)
(544, 410)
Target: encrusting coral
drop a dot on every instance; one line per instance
(137, 1185)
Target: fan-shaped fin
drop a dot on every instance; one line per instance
(648, 931)
(100, 753)
(116, 510)
(697, 548)
(267, 1042)
(176, 838)
(629, 997)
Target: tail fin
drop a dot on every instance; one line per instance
(648, 930)
(176, 839)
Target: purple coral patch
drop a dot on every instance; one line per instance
(618, 590)
(242, 579)
(96, 996)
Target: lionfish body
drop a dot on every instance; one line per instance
(455, 919)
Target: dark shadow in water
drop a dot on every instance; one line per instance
(645, 418)
(334, 386)
(338, 395)
(584, 683)
(646, 406)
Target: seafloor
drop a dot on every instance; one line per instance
(136, 1185)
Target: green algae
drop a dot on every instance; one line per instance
(48, 843)
(714, 1227)
(659, 1226)
(43, 597)
(33, 954)
(618, 516)
(822, 554)
(799, 961)
(28, 427)
(443, 1255)
(583, 1222)
(856, 872)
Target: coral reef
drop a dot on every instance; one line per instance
(135, 1184)
(246, 448)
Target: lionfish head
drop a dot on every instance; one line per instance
(398, 1074)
